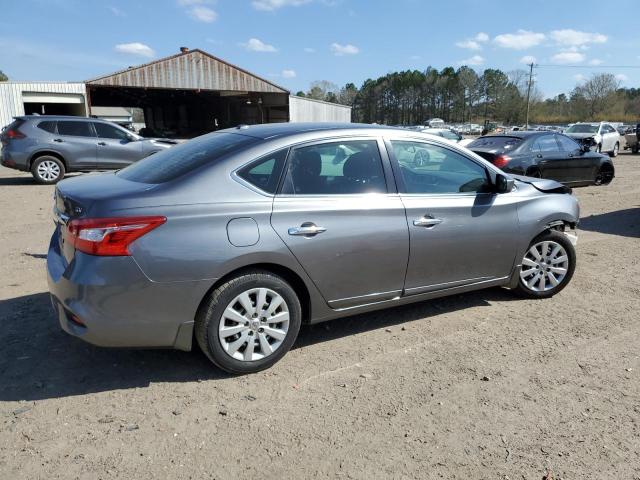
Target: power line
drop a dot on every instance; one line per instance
(587, 66)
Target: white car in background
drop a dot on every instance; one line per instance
(605, 137)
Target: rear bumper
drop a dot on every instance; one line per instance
(13, 160)
(117, 304)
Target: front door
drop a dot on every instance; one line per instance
(336, 216)
(460, 233)
(553, 162)
(115, 147)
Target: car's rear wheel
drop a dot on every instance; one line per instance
(547, 266)
(616, 149)
(249, 322)
(47, 170)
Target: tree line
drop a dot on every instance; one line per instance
(463, 95)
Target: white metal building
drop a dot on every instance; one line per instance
(44, 98)
(308, 110)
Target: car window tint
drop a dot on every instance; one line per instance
(181, 159)
(567, 144)
(48, 126)
(335, 168)
(545, 143)
(265, 172)
(75, 129)
(427, 168)
(108, 131)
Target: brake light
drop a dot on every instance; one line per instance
(14, 134)
(501, 161)
(109, 236)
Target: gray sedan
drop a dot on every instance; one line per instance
(237, 238)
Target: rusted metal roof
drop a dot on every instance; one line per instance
(192, 70)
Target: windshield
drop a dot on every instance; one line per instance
(582, 128)
(177, 161)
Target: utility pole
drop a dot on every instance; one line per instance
(529, 94)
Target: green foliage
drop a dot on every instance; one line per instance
(3, 77)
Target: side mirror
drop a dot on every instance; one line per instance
(504, 184)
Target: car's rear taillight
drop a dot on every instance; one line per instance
(109, 236)
(501, 161)
(14, 134)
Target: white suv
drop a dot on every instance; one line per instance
(606, 138)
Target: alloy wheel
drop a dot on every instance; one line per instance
(48, 170)
(254, 324)
(544, 266)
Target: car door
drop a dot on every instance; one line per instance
(76, 141)
(580, 164)
(610, 137)
(551, 160)
(116, 149)
(337, 213)
(460, 233)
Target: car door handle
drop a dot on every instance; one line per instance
(306, 229)
(102, 144)
(427, 222)
(59, 140)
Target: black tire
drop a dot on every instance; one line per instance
(604, 175)
(599, 148)
(54, 172)
(210, 315)
(559, 238)
(614, 152)
(635, 149)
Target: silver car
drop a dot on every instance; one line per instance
(237, 238)
(49, 146)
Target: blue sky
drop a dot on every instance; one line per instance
(293, 42)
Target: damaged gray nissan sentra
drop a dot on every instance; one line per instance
(236, 238)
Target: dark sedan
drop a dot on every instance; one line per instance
(545, 155)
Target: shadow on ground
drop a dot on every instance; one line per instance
(625, 223)
(17, 181)
(38, 360)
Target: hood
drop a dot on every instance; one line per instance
(581, 136)
(543, 184)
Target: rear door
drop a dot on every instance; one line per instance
(115, 148)
(337, 213)
(460, 233)
(76, 141)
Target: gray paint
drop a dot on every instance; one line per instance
(359, 264)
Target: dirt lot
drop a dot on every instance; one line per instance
(481, 385)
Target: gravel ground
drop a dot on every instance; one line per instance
(481, 385)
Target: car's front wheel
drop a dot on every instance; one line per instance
(547, 266)
(47, 170)
(249, 323)
(616, 149)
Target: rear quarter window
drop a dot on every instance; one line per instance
(47, 126)
(177, 161)
(265, 172)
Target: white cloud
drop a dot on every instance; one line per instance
(117, 12)
(621, 77)
(527, 59)
(310, 50)
(340, 50)
(255, 45)
(270, 5)
(520, 40)
(575, 38)
(475, 60)
(135, 48)
(564, 58)
(595, 61)
(288, 73)
(470, 44)
(481, 37)
(202, 14)
(580, 78)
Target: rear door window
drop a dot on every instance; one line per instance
(265, 173)
(75, 129)
(47, 126)
(181, 159)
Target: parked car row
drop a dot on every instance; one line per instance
(50, 146)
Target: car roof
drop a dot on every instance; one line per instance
(60, 117)
(524, 134)
(280, 130)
